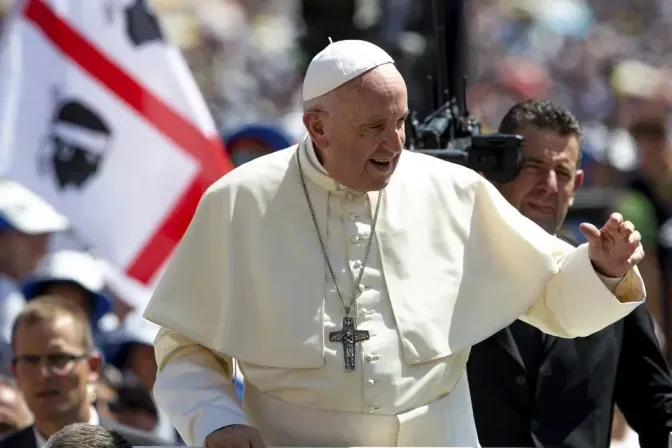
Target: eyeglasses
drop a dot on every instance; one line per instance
(58, 363)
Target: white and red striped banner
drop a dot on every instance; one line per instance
(103, 119)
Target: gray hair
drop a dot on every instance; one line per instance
(90, 436)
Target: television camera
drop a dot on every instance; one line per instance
(449, 133)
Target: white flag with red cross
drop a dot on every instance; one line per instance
(102, 118)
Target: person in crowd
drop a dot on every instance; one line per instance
(85, 435)
(648, 204)
(14, 413)
(346, 253)
(533, 389)
(26, 222)
(135, 407)
(255, 140)
(131, 351)
(55, 366)
(76, 276)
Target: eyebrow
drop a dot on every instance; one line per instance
(382, 120)
(562, 162)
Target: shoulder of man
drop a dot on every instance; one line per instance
(135, 436)
(21, 438)
(263, 172)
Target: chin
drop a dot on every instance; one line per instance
(378, 184)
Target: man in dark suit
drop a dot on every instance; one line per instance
(55, 367)
(534, 390)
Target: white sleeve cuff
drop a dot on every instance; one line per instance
(610, 282)
(197, 400)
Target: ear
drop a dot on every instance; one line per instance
(95, 367)
(578, 182)
(313, 120)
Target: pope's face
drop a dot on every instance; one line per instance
(360, 134)
(544, 189)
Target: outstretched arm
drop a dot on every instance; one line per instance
(576, 299)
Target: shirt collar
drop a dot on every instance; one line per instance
(314, 170)
(94, 419)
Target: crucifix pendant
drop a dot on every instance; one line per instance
(349, 336)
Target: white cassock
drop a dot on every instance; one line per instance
(451, 264)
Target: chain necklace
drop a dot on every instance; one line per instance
(349, 335)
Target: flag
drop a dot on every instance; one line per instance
(102, 118)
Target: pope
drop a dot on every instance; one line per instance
(350, 278)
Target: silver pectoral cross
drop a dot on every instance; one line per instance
(349, 336)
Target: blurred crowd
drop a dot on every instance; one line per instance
(607, 61)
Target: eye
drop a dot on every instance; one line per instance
(530, 166)
(563, 174)
(91, 158)
(59, 360)
(66, 152)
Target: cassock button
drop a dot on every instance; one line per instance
(354, 239)
(373, 409)
(357, 264)
(352, 216)
(351, 196)
(371, 383)
(361, 288)
(534, 425)
(372, 358)
(521, 380)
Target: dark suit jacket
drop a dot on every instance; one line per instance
(566, 398)
(25, 438)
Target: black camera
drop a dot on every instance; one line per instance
(449, 133)
(496, 156)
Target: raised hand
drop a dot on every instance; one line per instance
(615, 248)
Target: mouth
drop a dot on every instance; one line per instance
(542, 208)
(382, 164)
(47, 394)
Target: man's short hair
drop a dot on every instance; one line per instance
(86, 435)
(49, 308)
(544, 115)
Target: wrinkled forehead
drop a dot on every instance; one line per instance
(381, 90)
(549, 145)
(48, 333)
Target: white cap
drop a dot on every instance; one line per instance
(74, 266)
(77, 267)
(339, 63)
(26, 212)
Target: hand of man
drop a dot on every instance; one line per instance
(235, 436)
(615, 248)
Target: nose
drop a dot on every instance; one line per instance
(549, 182)
(45, 369)
(395, 140)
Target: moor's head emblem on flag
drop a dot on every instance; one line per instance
(142, 25)
(76, 145)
